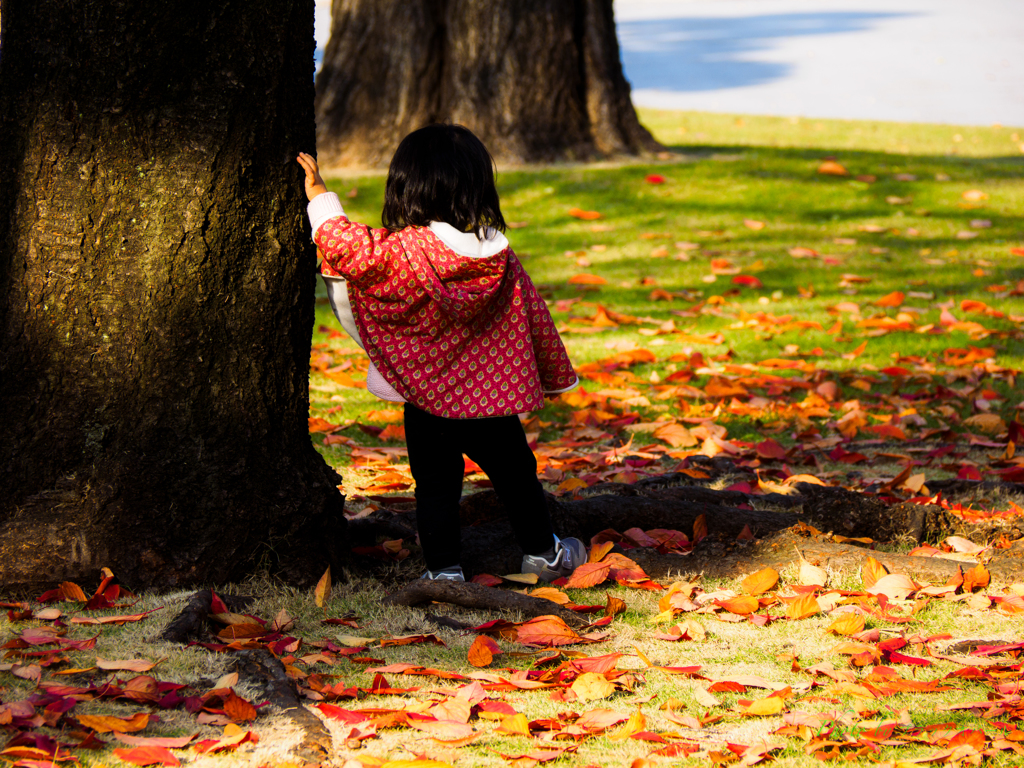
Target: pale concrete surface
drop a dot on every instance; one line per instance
(936, 61)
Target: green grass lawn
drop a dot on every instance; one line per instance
(747, 244)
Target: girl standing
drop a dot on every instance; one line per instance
(456, 331)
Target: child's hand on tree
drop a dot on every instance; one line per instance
(314, 182)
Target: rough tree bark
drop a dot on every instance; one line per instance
(156, 293)
(537, 80)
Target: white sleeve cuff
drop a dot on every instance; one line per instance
(560, 391)
(323, 207)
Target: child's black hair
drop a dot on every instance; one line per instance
(443, 173)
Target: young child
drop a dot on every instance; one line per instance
(455, 329)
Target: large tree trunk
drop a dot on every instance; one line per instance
(156, 292)
(536, 80)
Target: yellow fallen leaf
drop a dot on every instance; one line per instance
(591, 686)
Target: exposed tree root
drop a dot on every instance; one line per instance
(258, 667)
(479, 597)
(263, 669)
(192, 623)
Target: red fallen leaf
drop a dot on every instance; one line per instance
(899, 658)
(770, 449)
(233, 737)
(577, 213)
(967, 472)
(678, 749)
(546, 631)
(668, 541)
(748, 280)
(147, 756)
(654, 178)
(333, 712)
(727, 686)
(487, 580)
(1017, 251)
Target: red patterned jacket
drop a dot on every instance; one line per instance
(458, 336)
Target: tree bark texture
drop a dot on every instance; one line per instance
(156, 293)
(536, 80)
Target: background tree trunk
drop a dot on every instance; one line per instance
(156, 293)
(536, 80)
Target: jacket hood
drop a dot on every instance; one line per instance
(462, 282)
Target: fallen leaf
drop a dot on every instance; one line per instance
(482, 651)
(109, 723)
(847, 624)
(871, 572)
(832, 168)
(322, 593)
(147, 755)
(546, 631)
(591, 686)
(760, 582)
(894, 586)
(586, 279)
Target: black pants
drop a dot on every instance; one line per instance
(498, 445)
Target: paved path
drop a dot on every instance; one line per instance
(937, 61)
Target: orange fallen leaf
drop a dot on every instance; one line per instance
(111, 724)
(894, 299)
(872, 571)
(147, 755)
(832, 168)
(803, 607)
(546, 631)
(482, 651)
(586, 279)
(578, 213)
(589, 575)
(322, 592)
(743, 605)
(760, 582)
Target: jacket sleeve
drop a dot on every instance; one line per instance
(361, 255)
(553, 363)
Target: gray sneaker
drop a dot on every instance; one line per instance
(451, 573)
(569, 554)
